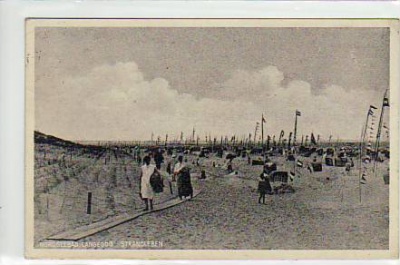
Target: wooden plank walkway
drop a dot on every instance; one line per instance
(91, 229)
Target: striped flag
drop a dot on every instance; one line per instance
(298, 113)
(370, 112)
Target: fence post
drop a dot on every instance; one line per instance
(89, 204)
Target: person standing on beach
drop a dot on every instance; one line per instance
(229, 166)
(146, 191)
(264, 186)
(178, 166)
(158, 158)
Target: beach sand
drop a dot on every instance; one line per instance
(322, 214)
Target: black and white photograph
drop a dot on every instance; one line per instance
(157, 136)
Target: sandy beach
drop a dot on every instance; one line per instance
(321, 214)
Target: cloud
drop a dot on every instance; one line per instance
(117, 102)
(334, 110)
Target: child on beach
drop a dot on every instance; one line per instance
(264, 186)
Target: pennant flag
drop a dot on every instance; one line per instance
(370, 112)
(262, 119)
(298, 113)
(299, 163)
(313, 139)
(372, 107)
(386, 102)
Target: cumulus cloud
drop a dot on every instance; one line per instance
(117, 102)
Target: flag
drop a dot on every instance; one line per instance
(262, 118)
(372, 107)
(370, 112)
(313, 139)
(298, 113)
(290, 139)
(385, 102)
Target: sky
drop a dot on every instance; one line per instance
(129, 83)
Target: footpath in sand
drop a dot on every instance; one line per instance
(103, 225)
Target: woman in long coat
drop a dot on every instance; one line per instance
(183, 179)
(184, 183)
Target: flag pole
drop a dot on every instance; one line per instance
(378, 134)
(295, 128)
(262, 131)
(360, 168)
(262, 136)
(362, 139)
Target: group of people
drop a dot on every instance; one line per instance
(180, 174)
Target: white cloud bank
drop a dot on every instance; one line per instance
(116, 102)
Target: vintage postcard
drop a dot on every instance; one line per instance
(212, 138)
